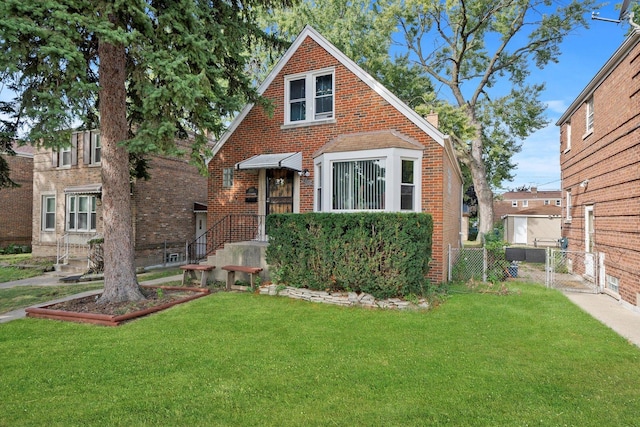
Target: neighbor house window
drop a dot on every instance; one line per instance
(525, 203)
(81, 212)
(590, 115)
(96, 148)
(309, 97)
(359, 185)
(227, 177)
(48, 213)
(65, 156)
(546, 202)
(407, 188)
(557, 202)
(568, 199)
(514, 204)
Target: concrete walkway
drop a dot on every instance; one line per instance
(53, 279)
(611, 313)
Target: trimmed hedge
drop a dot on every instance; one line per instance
(383, 254)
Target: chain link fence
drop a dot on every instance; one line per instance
(560, 269)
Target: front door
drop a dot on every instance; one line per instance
(589, 234)
(279, 191)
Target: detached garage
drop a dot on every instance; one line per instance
(533, 227)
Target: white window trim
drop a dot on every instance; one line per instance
(227, 177)
(89, 214)
(309, 98)
(568, 133)
(393, 158)
(95, 138)
(568, 206)
(43, 213)
(525, 203)
(514, 203)
(589, 116)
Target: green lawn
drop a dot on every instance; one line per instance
(239, 359)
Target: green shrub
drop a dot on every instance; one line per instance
(383, 254)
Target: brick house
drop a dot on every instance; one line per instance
(515, 202)
(336, 140)
(67, 208)
(16, 203)
(600, 165)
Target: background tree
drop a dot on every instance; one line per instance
(360, 31)
(148, 71)
(481, 52)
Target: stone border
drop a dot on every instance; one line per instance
(350, 299)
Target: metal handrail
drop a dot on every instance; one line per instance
(231, 228)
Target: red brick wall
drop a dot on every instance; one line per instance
(609, 158)
(357, 109)
(16, 203)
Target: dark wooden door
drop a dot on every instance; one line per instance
(279, 191)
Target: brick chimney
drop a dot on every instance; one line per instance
(433, 119)
(534, 190)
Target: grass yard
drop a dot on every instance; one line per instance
(234, 359)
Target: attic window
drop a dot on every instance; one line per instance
(309, 97)
(590, 115)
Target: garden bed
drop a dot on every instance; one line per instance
(86, 310)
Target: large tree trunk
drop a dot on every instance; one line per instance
(120, 283)
(482, 188)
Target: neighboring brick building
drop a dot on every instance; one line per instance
(515, 202)
(16, 203)
(331, 123)
(66, 202)
(600, 164)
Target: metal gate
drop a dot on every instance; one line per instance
(573, 271)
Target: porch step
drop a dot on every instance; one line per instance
(74, 265)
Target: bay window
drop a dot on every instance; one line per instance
(359, 185)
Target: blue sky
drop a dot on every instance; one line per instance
(583, 54)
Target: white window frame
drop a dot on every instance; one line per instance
(558, 202)
(547, 202)
(525, 203)
(568, 205)
(514, 203)
(589, 116)
(65, 157)
(96, 148)
(227, 177)
(411, 184)
(568, 133)
(310, 97)
(91, 218)
(612, 284)
(393, 157)
(46, 212)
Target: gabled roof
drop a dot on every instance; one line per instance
(308, 31)
(613, 62)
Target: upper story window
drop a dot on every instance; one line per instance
(590, 115)
(546, 202)
(568, 207)
(557, 202)
(525, 203)
(309, 97)
(514, 203)
(95, 148)
(567, 137)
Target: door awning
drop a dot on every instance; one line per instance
(84, 189)
(291, 161)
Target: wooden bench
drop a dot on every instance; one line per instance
(231, 273)
(190, 270)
